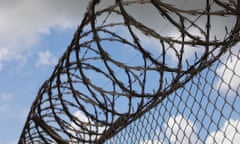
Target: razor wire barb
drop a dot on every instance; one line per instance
(94, 93)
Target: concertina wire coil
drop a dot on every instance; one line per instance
(110, 77)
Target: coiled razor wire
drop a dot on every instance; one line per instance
(119, 67)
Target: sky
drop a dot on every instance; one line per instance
(34, 34)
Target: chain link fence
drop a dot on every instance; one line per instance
(144, 72)
(205, 111)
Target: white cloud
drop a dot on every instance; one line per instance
(149, 16)
(4, 55)
(45, 58)
(151, 142)
(228, 134)
(22, 23)
(229, 74)
(181, 130)
(82, 117)
(87, 123)
(5, 97)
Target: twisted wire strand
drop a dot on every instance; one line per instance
(76, 106)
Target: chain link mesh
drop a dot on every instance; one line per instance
(205, 111)
(128, 80)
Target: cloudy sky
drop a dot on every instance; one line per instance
(33, 35)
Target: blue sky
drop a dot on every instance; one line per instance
(19, 85)
(19, 81)
(33, 35)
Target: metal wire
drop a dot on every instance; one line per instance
(121, 79)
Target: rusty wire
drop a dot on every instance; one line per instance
(108, 77)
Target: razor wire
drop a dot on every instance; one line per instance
(119, 68)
